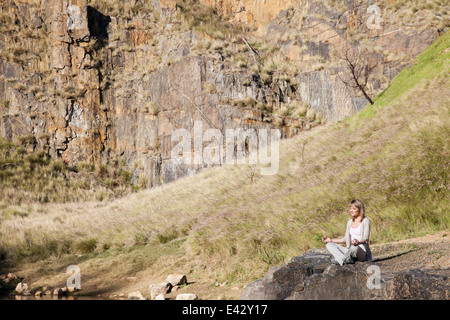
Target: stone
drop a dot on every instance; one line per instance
(160, 297)
(177, 279)
(159, 288)
(58, 292)
(187, 296)
(48, 293)
(12, 276)
(21, 288)
(38, 294)
(136, 295)
(71, 289)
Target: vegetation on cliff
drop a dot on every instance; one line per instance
(29, 177)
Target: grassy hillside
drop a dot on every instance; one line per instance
(220, 225)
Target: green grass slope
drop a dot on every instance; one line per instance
(220, 225)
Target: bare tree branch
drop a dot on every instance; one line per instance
(359, 68)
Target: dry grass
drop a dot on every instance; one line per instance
(29, 177)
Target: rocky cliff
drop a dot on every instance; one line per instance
(90, 81)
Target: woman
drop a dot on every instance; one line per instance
(356, 237)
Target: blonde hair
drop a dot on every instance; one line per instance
(360, 205)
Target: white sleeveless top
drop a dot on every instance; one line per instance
(355, 233)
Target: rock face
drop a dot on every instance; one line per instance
(261, 11)
(86, 86)
(93, 97)
(311, 276)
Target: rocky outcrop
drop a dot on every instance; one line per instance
(87, 86)
(311, 276)
(326, 93)
(90, 96)
(260, 11)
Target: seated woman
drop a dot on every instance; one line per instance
(356, 237)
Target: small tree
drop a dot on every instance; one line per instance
(359, 68)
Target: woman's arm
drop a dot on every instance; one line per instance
(336, 240)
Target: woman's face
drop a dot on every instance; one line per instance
(354, 211)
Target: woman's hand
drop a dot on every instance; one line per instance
(326, 239)
(355, 242)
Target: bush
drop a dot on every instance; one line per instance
(86, 246)
(167, 235)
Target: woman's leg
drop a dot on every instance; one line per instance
(357, 253)
(339, 253)
(361, 254)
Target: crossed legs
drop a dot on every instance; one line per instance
(343, 254)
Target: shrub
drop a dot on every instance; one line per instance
(86, 246)
(167, 235)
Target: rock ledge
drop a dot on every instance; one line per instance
(311, 276)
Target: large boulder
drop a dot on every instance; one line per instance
(21, 288)
(280, 281)
(311, 276)
(159, 288)
(176, 279)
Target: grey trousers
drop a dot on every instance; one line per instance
(340, 253)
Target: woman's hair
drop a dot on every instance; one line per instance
(360, 205)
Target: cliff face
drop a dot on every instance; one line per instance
(88, 86)
(50, 91)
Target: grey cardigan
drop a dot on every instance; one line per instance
(365, 234)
